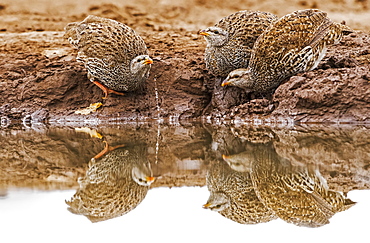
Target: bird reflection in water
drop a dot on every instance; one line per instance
(296, 194)
(232, 195)
(117, 181)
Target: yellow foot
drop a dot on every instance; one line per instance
(92, 108)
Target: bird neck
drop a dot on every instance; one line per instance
(219, 43)
(141, 73)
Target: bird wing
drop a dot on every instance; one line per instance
(245, 26)
(290, 41)
(297, 62)
(298, 29)
(106, 39)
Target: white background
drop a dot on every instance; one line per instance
(165, 215)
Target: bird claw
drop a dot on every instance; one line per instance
(106, 90)
(106, 150)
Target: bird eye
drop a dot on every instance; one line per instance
(138, 60)
(236, 76)
(216, 32)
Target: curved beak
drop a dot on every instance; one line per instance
(225, 156)
(204, 33)
(148, 61)
(225, 82)
(206, 205)
(150, 179)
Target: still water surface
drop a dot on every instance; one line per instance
(212, 183)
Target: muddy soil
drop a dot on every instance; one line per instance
(41, 81)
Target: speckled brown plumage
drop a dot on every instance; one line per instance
(232, 195)
(229, 42)
(297, 194)
(295, 43)
(113, 54)
(113, 185)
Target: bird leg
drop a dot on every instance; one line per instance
(107, 149)
(106, 90)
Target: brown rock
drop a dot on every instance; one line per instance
(39, 70)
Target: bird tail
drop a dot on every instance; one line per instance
(345, 29)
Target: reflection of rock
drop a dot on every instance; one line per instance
(340, 152)
(113, 185)
(224, 142)
(47, 158)
(54, 157)
(232, 195)
(180, 158)
(297, 194)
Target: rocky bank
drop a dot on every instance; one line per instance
(41, 81)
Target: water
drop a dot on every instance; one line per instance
(52, 188)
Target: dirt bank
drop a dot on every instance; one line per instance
(40, 79)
